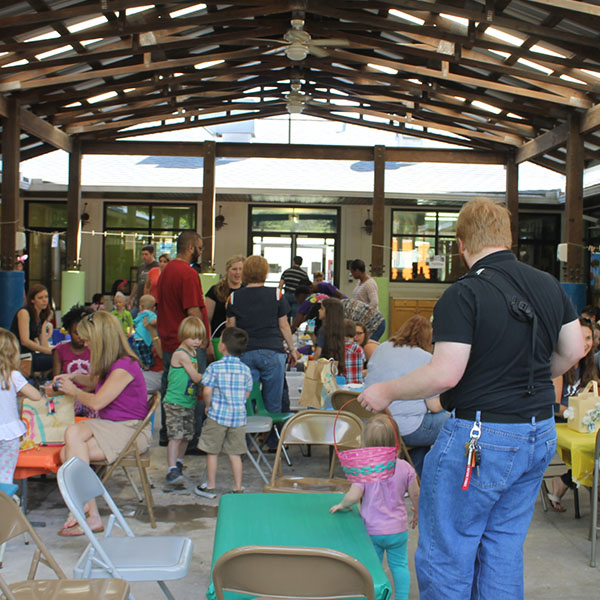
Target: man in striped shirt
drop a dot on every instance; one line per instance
(291, 279)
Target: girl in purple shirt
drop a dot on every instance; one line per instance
(383, 508)
(116, 389)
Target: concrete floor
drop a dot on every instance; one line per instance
(556, 550)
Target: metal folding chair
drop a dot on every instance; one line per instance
(14, 523)
(130, 457)
(595, 528)
(143, 558)
(291, 573)
(254, 426)
(315, 427)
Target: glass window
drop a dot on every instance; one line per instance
(424, 247)
(173, 217)
(47, 214)
(294, 220)
(131, 226)
(127, 216)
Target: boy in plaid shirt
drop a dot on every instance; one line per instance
(354, 356)
(227, 384)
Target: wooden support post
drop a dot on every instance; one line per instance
(208, 205)
(378, 212)
(74, 207)
(512, 198)
(10, 185)
(574, 201)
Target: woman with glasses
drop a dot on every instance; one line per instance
(115, 387)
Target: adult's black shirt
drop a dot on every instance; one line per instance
(220, 312)
(473, 311)
(257, 310)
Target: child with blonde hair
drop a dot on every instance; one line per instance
(11, 384)
(120, 311)
(182, 394)
(383, 508)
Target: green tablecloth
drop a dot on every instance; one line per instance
(295, 520)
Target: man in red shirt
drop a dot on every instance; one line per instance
(180, 295)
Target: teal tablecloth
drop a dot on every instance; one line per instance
(295, 520)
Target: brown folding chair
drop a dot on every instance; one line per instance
(340, 397)
(290, 573)
(131, 457)
(315, 427)
(14, 523)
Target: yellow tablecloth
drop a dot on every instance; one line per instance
(577, 451)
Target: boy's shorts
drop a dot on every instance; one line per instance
(216, 438)
(180, 421)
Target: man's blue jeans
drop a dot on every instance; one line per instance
(471, 541)
(268, 367)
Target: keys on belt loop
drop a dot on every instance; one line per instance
(472, 452)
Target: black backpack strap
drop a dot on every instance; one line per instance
(518, 306)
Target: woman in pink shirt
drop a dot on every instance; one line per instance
(116, 389)
(383, 508)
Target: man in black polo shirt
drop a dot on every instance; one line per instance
(501, 334)
(290, 280)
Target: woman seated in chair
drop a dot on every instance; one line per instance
(31, 324)
(419, 421)
(115, 388)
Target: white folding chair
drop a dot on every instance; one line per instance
(142, 558)
(254, 426)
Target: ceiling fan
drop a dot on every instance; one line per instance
(296, 100)
(298, 43)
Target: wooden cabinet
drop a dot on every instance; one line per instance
(403, 309)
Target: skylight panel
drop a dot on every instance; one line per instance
(208, 63)
(44, 36)
(503, 36)
(534, 65)
(186, 11)
(542, 50)
(407, 17)
(572, 79)
(82, 25)
(383, 68)
(414, 80)
(460, 20)
(486, 106)
(73, 105)
(138, 9)
(101, 97)
(514, 116)
(344, 102)
(592, 73)
(53, 52)
(16, 63)
(500, 53)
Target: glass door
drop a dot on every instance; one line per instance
(280, 233)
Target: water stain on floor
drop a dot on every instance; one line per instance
(177, 513)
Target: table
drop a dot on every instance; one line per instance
(577, 452)
(36, 461)
(295, 520)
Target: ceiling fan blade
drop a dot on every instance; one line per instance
(269, 40)
(329, 42)
(318, 52)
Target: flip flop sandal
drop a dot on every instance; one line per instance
(76, 531)
(555, 503)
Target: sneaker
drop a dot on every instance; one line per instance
(173, 475)
(179, 466)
